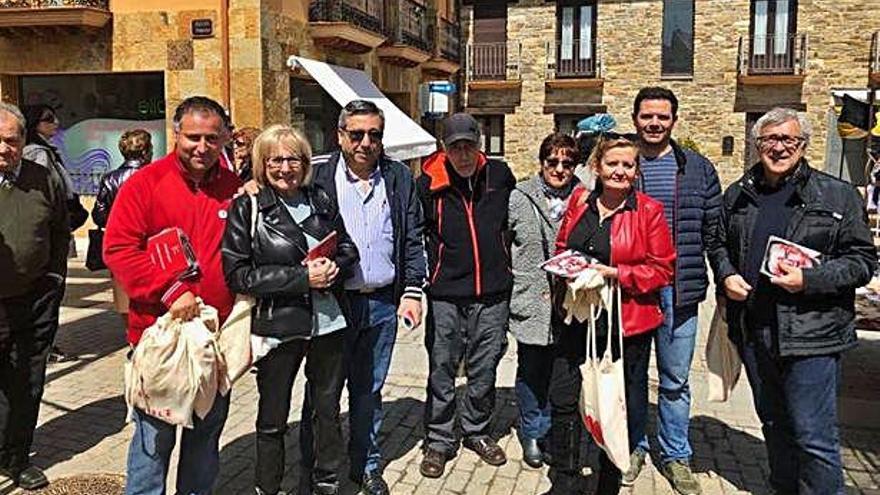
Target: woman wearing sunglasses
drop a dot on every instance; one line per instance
(300, 303)
(536, 208)
(627, 233)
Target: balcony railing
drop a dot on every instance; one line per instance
(367, 14)
(493, 61)
(875, 53)
(784, 54)
(36, 4)
(410, 23)
(449, 40)
(573, 59)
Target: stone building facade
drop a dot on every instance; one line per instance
(722, 95)
(241, 63)
(111, 65)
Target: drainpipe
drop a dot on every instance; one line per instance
(224, 51)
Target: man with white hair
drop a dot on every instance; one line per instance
(792, 325)
(34, 237)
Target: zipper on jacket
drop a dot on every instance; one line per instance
(439, 236)
(469, 212)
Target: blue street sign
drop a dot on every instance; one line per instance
(444, 87)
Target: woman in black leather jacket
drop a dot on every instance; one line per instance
(301, 305)
(136, 147)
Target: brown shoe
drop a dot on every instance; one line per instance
(433, 463)
(487, 449)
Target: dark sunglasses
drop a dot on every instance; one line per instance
(358, 135)
(614, 136)
(554, 162)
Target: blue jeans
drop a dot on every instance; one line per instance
(796, 400)
(369, 342)
(533, 366)
(674, 344)
(151, 446)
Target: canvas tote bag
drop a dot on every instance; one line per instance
(603, 390)
(234, 339)
(722, 360)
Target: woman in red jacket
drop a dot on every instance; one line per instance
(627, 233)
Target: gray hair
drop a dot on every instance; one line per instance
(359, 107)
(15, 112)
(781, 115)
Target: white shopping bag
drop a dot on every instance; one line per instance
(175, 371)
(603, 390)
(722, 360)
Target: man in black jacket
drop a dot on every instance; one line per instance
(34, 236)
(465, 198)
(378, 203)
(792, 321)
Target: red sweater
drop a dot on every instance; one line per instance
(642, 252)
(160, 196)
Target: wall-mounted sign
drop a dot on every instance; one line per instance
(202, 28)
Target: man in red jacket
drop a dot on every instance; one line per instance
(188, 190)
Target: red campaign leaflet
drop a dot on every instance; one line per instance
(568, 264)
(171, 251)
(324, 249)
(780, 250)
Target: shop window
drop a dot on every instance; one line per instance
(94, 110)
(492, 138)
(678, 38)
(315, 113)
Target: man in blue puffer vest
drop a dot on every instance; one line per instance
(687, 185)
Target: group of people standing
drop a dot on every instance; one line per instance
(467, 238)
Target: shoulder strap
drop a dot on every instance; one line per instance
(543, 223)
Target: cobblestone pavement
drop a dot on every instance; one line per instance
(82, 424)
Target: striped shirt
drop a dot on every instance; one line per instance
(658, 181)
(364, 207)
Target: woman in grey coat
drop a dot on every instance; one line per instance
(536, 208)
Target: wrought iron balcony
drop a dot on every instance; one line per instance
(494, 61)
(875, 60)
(409, 23)
(449, 40)
(772, 59)
(576, 59)
(36, 4)
(351, 25)
(28, 14)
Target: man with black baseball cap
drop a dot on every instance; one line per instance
(465, 197)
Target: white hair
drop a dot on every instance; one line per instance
(781, 115)
(15, 112)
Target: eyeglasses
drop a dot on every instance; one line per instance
(357, 135)
(49, 119)
(239, 143)
(554, 162)
(789, 142)
(276, 162)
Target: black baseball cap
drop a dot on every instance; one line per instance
(461, 127)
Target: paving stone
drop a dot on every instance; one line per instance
(82, 424)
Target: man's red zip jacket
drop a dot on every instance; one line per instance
(466, 229)
(160, 196)
(641, 250)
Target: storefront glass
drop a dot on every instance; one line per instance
(94, 110)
